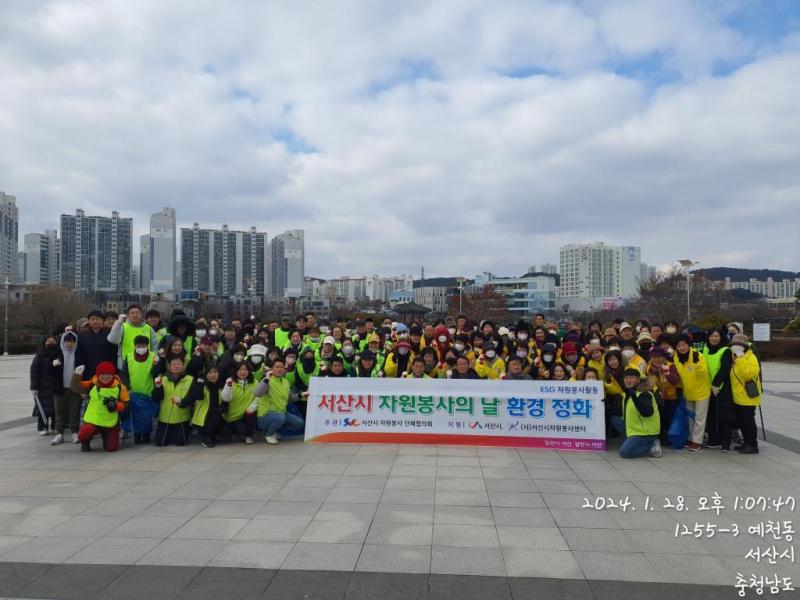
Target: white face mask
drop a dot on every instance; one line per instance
(402, 336)
(547, 357)
(671, 330)
(452, 330)
(553, 331)
(347, 350)
(403, 351)
(200, 333)
(490, 354)
(141, 350)
(238, 357)
(290, 360)
(522, 353)
(595, 341)
(522, 337)
(613, 348)
(442, 339)
(628, 353)
(256, 359)
(670, 351)
(737, 350)
(213, 332)
(459, 346)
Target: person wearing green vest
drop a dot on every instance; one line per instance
(240, 396)
(283, 332)
(137, 377)
(313, 338)
(375, 346)
(153, 318)
(125, 329)
(721, 413)
(273, 395)
(208, 405)
(107, 399)
(174, 393)
(640, 416)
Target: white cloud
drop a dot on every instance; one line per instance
(394, 134)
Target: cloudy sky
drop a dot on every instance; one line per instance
(464, 136)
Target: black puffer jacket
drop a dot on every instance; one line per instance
(47, 377)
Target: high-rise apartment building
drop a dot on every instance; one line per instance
(96, 252)
(596, 271)
(286, 271)
(162, 251)
(144, 263)
(9, 235)
(42, 258)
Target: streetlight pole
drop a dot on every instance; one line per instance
(687, 264)
(7, 283)
(460, 293)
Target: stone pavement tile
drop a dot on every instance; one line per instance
(174, 507)
(30, 524)
(337, 511)
(462, 498)
(371, 469)
(387, 586)
(458, 461)
(559, 474)
(127, 505)
(423, 471)
(254, 555)
(467, 484)
(362, 481)
(73, 581)
(210, 529)
(325, 467)
(402, 496)
(666, 542)
(619, 566)
(114, 551)
(457, 451)
(213, 583)
(251, 491)
(47, 549)
(516, 499)
(465, 536)
(334, 532)
(14, 576)
(576, 517)
(654, 521)
(395, 558)
(690, 568)
(416, 460)
(463, 515)
(612, 488)
(530, 517)
(323, 557)
(278, 530)
(17, 505)
(525, 588)
(156, 581)
(268, 479)
(192, 553)
(409, 534)
(553, 486)
(86, 526)
(355, 495)
(307, 585)
(142, 526)
(7, 542)
(523, 562)
(304, 511)
(462, 472)
(466, 561)
(448, 587)
(232, 509)
(172, 478)
(198, 491)
(406, 513)
(411, 483)
(415, 450)
(532, 538)
(312, 481)
(304, 494)
(630, 590)
(560, 501)
(504, 484)
(64, 506)
(588, 539)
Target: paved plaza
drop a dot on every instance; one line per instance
(359, 521)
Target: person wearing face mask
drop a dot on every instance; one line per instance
(645, 342)
(290, 366)
(721, 411)
(523, 336)
(696, 385)
(544, 363)
(47, 384)
(137, 376)
(462, 347)
(747, 389)
(441, 342)
(257, 357)
(326, 353)
(68, 405)
(306, 368)
(594, 334)
(398, 360)
(631, 358)
(313, 338)
(128, 326)
(229, 361)
(348, 356)
(107, 399)
(489, 365)
(515, 371)
(671, 328)
(200, 329)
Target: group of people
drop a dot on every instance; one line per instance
(166, 382)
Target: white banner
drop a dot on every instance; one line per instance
(545, 414)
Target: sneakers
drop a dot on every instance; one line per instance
(738, 447)
(713, 446)
(85, 447)
(248, 440)
(271, 439)
(74, 438)
(694, 447)
(747, 449)
(655, 449)
(207, 444)
(59, 439)
(44, 432)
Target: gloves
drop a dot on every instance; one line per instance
(715, 389)
(158, 381)
(450, 373)
(176, 401)
(122, 318)
(111, 405)
(252, 407)
(229, 382)
(80, 369)
(56, 363)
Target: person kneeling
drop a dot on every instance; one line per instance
(174, 393)
(272, 397)
(640, 415)
(107, 398)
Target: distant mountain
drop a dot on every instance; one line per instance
(720, 273)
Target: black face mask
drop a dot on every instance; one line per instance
(308, 363)
(450, 361)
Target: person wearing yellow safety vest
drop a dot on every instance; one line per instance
(208, 405)
(693, 371)
(272, 396)
(153, 318)
(137, 377)
(747, 389)
(174, 393)
(239, 393)
(125, 329)
(720, 407)
(641, 423)
(107, 398)
(489, 365)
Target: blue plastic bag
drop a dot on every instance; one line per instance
(140, 414)
(678, 432)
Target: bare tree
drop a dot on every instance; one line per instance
(483, 304)
(51, 306)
